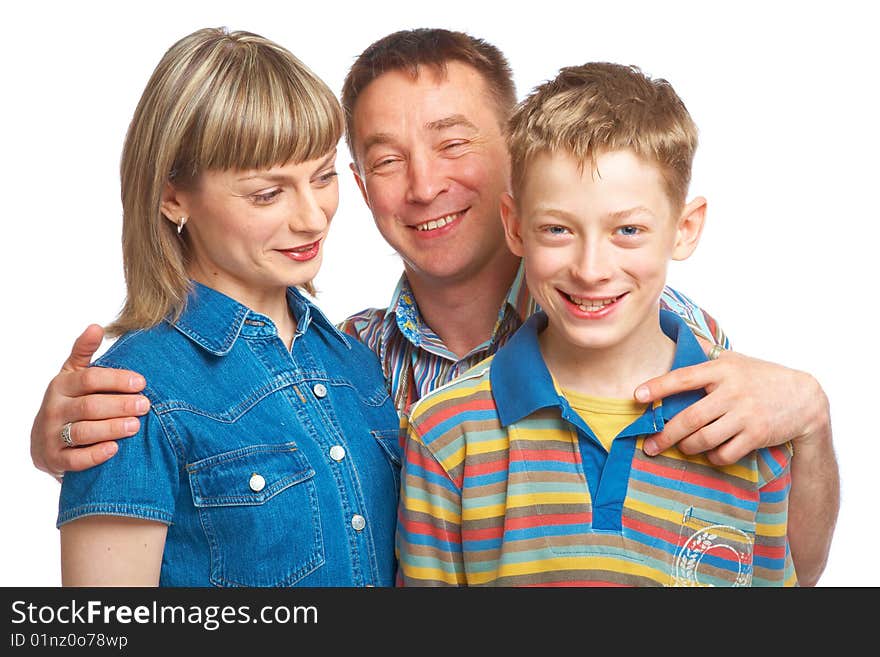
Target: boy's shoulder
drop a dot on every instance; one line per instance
(468, 394)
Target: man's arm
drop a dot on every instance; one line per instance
(813, 504)
(79, 394)
(752, 404)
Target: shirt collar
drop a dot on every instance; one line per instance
(522, 384)
(214, 321)
(403, 311)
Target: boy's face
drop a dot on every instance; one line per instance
(596, 245)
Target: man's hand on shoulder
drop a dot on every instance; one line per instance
(750, 404)
(99, 403)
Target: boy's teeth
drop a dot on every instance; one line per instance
(587, 305)
(438, 223)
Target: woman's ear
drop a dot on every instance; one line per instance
(173, 207)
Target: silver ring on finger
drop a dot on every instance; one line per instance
(65, 434)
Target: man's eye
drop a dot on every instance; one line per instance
(384, 163)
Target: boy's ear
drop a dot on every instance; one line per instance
(690, 227)
(360, 183)
(172, 205)
(512, 224)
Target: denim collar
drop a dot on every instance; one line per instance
(522, 384)
(214, 321)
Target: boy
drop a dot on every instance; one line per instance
(529, 469)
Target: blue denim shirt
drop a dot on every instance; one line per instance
(271, 467)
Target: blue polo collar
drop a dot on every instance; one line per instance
(522, 384)
(214, 321)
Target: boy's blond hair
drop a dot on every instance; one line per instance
(217, 100)
(600, 107)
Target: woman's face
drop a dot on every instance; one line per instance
(254, 233)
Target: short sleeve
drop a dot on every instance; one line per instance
(698, 320)
(140, 481)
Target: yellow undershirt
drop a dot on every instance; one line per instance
(606, 416)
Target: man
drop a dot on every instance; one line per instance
(425, 115)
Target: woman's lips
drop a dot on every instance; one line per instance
(303, 253)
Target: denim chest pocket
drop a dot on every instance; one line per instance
(712, 551)
(389, 441)
(258, 506)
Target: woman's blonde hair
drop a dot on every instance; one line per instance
(217, 100)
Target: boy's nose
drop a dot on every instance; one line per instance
(594, 264)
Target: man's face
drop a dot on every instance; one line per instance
(432, 164)
(596, 246)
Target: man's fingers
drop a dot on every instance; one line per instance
(89, 433)
(75, 459)
(711, 436)
(98, 379)
(693, 377)
(689, 421)
(731, 451)
(84, 347)
(104, 407)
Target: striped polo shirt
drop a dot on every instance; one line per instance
(505, 485)
(416, 361)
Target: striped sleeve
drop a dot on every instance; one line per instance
(773, 565)
(429, 521)
(697, 319)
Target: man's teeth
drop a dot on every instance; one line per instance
(438, 223)
(591, 305)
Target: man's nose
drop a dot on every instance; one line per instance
(425, 180)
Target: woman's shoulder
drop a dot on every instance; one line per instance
(160, 346)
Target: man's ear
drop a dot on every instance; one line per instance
(358, 178)
(512, 224)
(690, 227)
(173, 207)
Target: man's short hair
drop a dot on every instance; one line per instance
(410, 50)
(599, 107)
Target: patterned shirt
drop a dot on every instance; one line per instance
(416, 361)
(505, 485)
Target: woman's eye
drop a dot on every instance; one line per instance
(326, 178)
(265, 197)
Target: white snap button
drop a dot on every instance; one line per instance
(337, 452)
(320, 390)
(257, 483)
(358, 522)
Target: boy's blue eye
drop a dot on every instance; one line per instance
(557, 230)
(629, 231)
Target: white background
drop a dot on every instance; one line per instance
(784, 93)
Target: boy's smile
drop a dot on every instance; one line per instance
(596, 243)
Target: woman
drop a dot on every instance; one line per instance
(269, 454)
